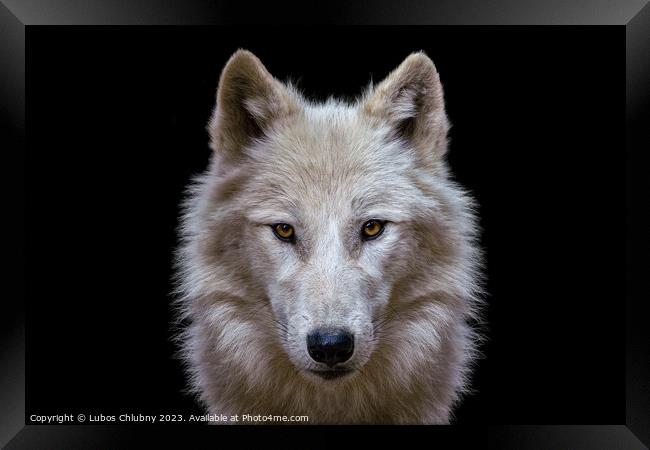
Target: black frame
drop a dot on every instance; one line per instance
(633, 15)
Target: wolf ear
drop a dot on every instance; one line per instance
(411, 101)
(249, 100)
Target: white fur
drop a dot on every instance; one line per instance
(249, 299)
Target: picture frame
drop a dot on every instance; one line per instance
(19, 20)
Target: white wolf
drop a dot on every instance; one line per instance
(329, 266)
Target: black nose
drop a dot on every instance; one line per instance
(330, 346)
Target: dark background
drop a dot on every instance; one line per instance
(116, 120)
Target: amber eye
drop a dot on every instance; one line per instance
(283, 231)
(371, 229)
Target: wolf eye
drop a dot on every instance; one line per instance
(283, 231)
(371, 229)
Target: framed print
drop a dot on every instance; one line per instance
(424, 222)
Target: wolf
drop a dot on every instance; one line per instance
(329, 264)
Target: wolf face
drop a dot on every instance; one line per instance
(328, 237)
(351, 237)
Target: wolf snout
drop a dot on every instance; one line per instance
(330, 346)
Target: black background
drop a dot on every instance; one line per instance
(116, 120)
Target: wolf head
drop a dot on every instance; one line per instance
(330, 224)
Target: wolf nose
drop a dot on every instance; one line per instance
(330, 346)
